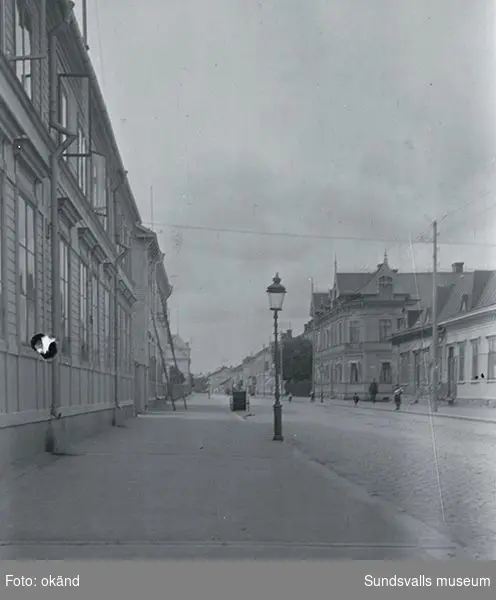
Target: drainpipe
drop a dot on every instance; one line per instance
(117, 263)
(55, 233)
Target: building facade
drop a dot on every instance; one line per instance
(150, 334)
(67, 215)
(466, 358)
(354, 325)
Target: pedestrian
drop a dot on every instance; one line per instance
(290, 397)
(373, 389)
(356, 399)
(322, 397)
(312, 396)
(398, 390)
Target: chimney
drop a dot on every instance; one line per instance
(457, 267)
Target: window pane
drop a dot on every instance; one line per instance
(22, 271)
(23, 318)
(30, 228)
(30, 276)
(21, 221)
(31, 319)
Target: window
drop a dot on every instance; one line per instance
(99, 186)
(384, 330)
(386, 374)
(354, 372)
(475, 359)
(461, 361)
(2, 237)
(82, 149)
(83, 312)
(400, 323)
(106, 327)
(64, 296)
(339, 373)
(26, 270)
(23, 44)
(340, 333)
(94, 321)
(63, 114)
(354, 332)
(385, 285)
(491, 357)
(405, 367)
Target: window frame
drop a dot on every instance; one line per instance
(84, 312)
(461, 362)
(66, 288)
(382, 377)
(474, 343)
(24, 68)
(3, 285)
(26, 323)
(388, 329)
(491, 358)
(94, 323)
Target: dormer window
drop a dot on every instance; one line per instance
(385, 282)
(464, 303)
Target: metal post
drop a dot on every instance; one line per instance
(54, 225)
(277, 404)
(434, 376)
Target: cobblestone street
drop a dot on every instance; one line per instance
(440, 471)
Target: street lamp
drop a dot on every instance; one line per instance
(276, 292)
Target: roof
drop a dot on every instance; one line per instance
(319, 299)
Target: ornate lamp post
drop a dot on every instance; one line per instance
(276, 292)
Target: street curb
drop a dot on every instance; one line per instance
(423, 414)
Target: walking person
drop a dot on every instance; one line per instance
(356, 399)
(398, 391)
(373, 389)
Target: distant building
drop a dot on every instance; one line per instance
(355, 323)
(467, 341)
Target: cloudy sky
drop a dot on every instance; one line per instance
(326, 119)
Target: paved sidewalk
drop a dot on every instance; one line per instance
(200, 483)
(468, 413)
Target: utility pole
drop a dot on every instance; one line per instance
(434, 376)
(314, 339)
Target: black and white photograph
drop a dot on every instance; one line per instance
(248, 280)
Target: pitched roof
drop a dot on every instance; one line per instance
(488, 295)
(350, 283)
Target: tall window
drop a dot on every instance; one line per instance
(340, 332)
(2, 298)
(491, 357)
(64, 295)
(475, 359)
(354, 332)
(64, 114)
(386, 373)
(354, 372)
(405, 367)
(99, 186)
(106, 327)
(23, 44)
(400, 323)
(384, 330)
(94, 321)
(81, 159)
(339, 373)
(461, 361)
(83, 312)
(27, 286)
